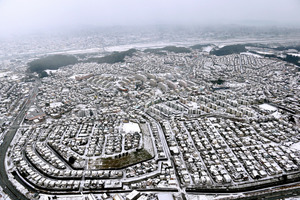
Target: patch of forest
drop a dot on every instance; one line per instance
(51, 62)
(173, 49)
(115, 57)
(257, 45)
(292, 59)
(289, 58)
(230, 49)
(54, 62)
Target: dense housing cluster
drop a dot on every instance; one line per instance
(171, 122)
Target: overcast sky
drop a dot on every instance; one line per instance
(31, 16)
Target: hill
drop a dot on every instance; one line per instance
(230, 49)
(200, 46)
(115, 57)
(173, 49)
(51, 62)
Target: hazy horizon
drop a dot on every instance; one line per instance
(19, 17)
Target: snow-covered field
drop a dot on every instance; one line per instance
(263, 52)
(51, 70)
(296, 146)
(78, 51)
(79, 75)
(158, 92)
(10, 75)
(165, 196)
(267, 107)
(2, 74)
(251, 54)
(193, 104)
(143, 46)
(55, 104)
(208, 48)
(131, 127)
(64, 197)
(295, 54)
(276, 114)
(235, 84)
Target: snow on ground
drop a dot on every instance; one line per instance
(79, 75)
(158, 92)
(267, 107)
(72, 77)
(2, 74)
(200, 197)
(251, 54)
(131, 127)
(65, 90)
(263, 52)
(15, 77)
(81, 106)
(126, 47)
(51, 70)
(4, 196)
(55, 104)
(165, 196)
(276, 114)
(140, 46)
(193, 104)
(235, 84)
(295, 54)
(293, 198)
(208, 48)
(32, 109)
(78, 51)
(63, 197)
(10, 75)
(295, 146)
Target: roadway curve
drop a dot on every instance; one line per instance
(7, 186)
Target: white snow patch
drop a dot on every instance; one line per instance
(293, 198)
(72, 77)
(51, 70)
(277, 115)
(78, 51)
(263, 52)
(165, 196)
(131, 127)
(295, 146)
(251, 54)
(15, 77)
(235, 84)
(31, 109)
(141, 46)
(193, 104)
(158, 92)
(267, 107)
(2, 74)
(200, 197)
(77, 75)
(208, 48)
(295, 54)
(81, 106)
(65, 90)
(55, 104)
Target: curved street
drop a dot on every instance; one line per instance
(5, 183)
